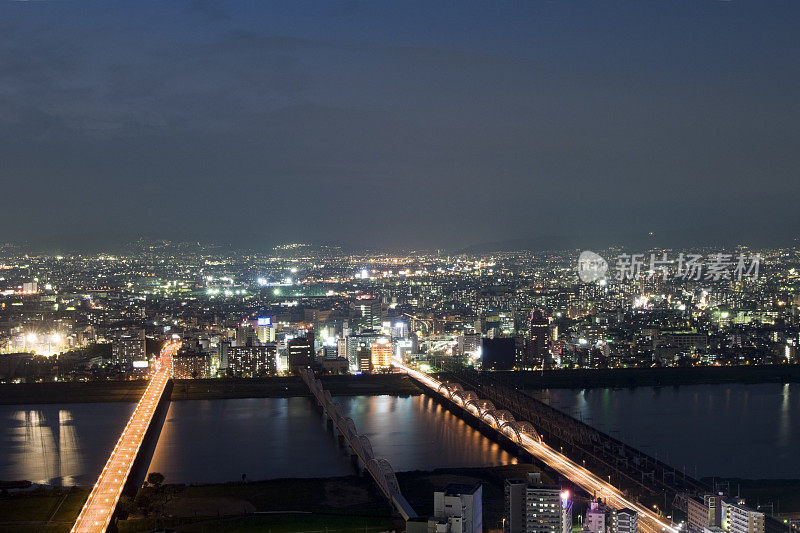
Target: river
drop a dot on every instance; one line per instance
(731, 430)
(207, 441)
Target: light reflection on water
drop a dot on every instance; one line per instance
(219, 440)
(64, 444)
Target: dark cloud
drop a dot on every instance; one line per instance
(418, 127)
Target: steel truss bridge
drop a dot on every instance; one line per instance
(639, 471)
(378, 467)
(525, 435)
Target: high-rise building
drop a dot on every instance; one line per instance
(364, 359)
(300, 352)
(245, 334)
(461, 501)
(370, 313)
(381, 355)
(129, 346)
(533, 506)
(625, 520)
(354, 343)
(538, 352)
(190, 365)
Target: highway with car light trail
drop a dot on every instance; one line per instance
(97, 512)
(649, 522)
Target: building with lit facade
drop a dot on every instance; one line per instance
(191, 366)
(265, 331)
(381, 355)
(252, 361)
(532, 506)
(596, 518)
(738, 518)
(538, 342)
(463, 503)
(128, 347)
(364, 359)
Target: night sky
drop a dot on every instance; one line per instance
(430, 124)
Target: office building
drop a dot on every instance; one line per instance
(381, 355)
(265, 331)
(353, 343)
(300, 352)
(245, 335)
(469, 344)
(364, 359)
(370, 313)
(538, 343)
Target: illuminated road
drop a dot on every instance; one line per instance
(102, 501)
(649, 522)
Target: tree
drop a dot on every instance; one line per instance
(155, 479)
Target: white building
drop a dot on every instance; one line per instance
(460, 501)
(737, 518)
(595, 518)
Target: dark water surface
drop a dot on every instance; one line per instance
(219, 440)
(710, 430)
(731, 430)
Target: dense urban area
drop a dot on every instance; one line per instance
(85, 317)
(319, 310)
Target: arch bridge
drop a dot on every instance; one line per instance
(378, 467)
